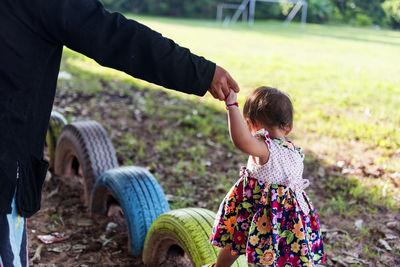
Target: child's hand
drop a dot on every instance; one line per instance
(231, 98)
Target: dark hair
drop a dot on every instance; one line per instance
(270, 107)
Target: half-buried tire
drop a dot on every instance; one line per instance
(56, 124)
(132, 196)
(84, 151)
(181, 238)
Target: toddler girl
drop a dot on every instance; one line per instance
(267, 215)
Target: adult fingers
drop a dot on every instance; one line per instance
(216, 93)
(220, 93)
(233, 84)
(213, 93)
(225, 89)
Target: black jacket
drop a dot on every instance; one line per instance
(32, 35)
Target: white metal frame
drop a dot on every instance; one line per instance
(222, 6)
(241, 9)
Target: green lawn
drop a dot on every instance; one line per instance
(345, 84)
(334, 74)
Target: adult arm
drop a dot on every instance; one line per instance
(117, 42)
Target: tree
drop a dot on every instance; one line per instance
(320, 11)
(350, 8)
(392, 10)
(135, 6)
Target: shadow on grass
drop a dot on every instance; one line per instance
(295, 30)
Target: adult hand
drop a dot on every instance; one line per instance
(222, 83)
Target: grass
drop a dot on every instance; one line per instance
(344, 74)
(346, 90)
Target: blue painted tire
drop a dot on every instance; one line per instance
(137, 193)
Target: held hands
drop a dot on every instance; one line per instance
(222, 84)
(231, 98)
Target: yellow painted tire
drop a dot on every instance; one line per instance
(181, 238)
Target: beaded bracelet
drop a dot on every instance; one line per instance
(233, 104)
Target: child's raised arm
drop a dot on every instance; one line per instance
(240, 134)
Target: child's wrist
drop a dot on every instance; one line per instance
(232, 105)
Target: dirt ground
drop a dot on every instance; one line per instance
(91, 240)
(94, 240)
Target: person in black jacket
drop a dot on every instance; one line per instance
(32, 36)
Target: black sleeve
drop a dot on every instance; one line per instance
(117, 42)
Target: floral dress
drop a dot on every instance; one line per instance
(267, 215)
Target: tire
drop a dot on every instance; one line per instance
(181, 238)
(56, 124)
(83, 153)
(137, 193)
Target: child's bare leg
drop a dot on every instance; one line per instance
(225, 258)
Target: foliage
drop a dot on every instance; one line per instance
(356, 12)
(134, 6)
(268, 11)
(392, 10)
(319, 11)
(204, 8)
(350, 8)
(362, 20)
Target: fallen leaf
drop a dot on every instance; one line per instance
(358, 224)
(111, 226)
(340, 164)
(79, 247)
(321, 171)
(36, 256)
(84, 222)
(52, 193)
(393, 225)
(60, 248)
(385, 244)
(53, 238)
(339, 260)
(391, 237)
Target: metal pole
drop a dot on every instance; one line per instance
(251, 11)
(239, 11)
(304, 14)
(293, 12)
(245, 14)
(219, 13)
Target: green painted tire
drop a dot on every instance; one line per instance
(181, 238)
(56, 124)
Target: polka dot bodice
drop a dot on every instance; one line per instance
(284, 166)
